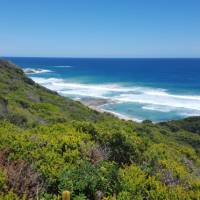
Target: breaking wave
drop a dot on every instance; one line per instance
(36, 71)
(156, 99)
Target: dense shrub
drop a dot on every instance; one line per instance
(2, 179)
(125, 149)
(89, 179)
(49, 143)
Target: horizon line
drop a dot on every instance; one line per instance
(73, 57)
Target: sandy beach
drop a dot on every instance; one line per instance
(97, 103)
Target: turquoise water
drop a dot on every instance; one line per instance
(139, 89)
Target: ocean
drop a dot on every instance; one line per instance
(138, 89)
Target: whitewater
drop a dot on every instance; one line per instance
(155, 99)
(137, 89)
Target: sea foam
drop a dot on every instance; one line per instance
(155, 99)
(36, 71)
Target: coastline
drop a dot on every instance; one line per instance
(97, 103)
(126, 101)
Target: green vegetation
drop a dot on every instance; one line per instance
(49, 143)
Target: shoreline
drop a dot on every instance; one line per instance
(155, 104)
(96, 103)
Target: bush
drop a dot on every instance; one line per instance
(2, 179)
(17, 119)
(10, 196)
(88, 179)
(125, 150)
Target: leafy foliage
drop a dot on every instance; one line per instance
(49, 143)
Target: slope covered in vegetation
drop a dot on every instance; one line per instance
(49, 143)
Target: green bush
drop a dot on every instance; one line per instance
(2, 179)
(53, 144)
(10, 196)
(88, 179)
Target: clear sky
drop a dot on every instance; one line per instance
(100, 28)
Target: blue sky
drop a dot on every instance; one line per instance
(100, 28)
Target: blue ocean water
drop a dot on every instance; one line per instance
(139, 89)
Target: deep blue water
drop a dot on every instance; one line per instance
(155, 89)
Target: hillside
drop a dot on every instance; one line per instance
(49, 144)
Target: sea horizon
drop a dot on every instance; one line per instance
(97, 57)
